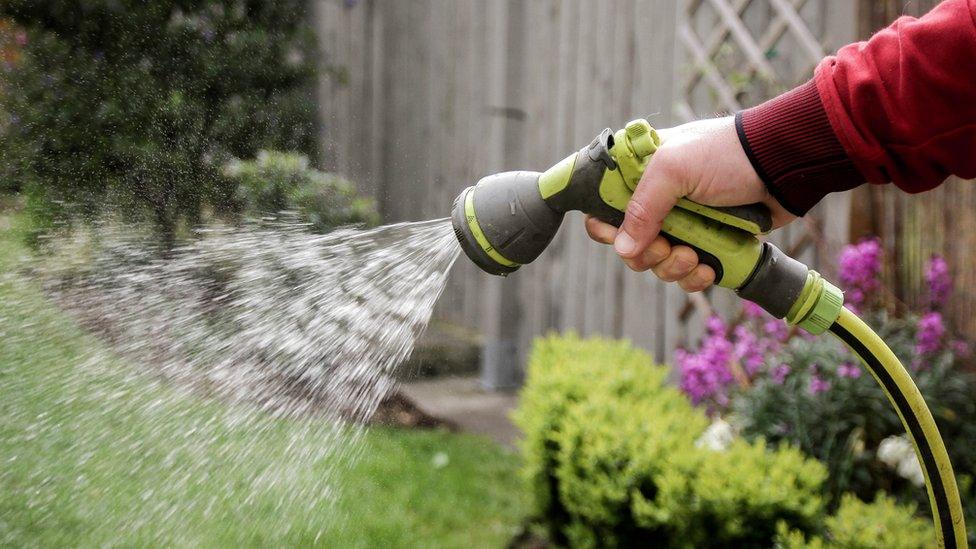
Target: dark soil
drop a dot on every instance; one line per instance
(397, 410)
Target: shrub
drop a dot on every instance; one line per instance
(860, 525)
(788, 387)
(612, 457)
(139, 103)
(277, 181)
(844, 423)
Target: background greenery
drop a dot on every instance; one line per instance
(139, 104)
(614, 456)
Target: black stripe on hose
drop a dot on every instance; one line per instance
(928, 460)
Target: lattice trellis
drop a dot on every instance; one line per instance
(741, 52)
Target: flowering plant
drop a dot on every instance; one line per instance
(782, 384)
(734, 356)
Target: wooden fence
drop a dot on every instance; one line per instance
(424, 97)
(913, 227)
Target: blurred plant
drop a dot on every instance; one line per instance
(938, 280)
(615, 456)
(857, 524)
(811, 392)
(859, 270)
(276, 182)
(140, 103)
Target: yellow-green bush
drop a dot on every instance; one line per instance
(860, 525)
(611, 460)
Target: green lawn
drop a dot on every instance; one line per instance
(93, 453)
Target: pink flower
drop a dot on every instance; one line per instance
(705, 373)
(849, 369)
(21, 38)
(859, 267)
(928, 339)
(938, 280)
(961, 348)
(715, 325)
(748, 350)
(779, 373)
(751, 310)
(777, 329)
(818, 385)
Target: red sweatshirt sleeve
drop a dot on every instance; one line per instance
(898, 108)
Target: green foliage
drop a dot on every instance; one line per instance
(140, 103)
(844, 426)
(860, 525)
(611, 459)
(276, 182)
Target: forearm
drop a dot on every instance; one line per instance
(900, 107)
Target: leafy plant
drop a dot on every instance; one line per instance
(138, 104)
(275, 182)
(616, 457)
(788, 387)
(860, 525)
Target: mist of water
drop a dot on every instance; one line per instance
(267, 319)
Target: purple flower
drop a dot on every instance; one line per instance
(938, 280)
(752, 311)
(779, 373)
(715, 326)
(777, 329)
(928, 339)
(849, 369)
(818, 385)
(701, 379)
(859, 266)
(747, 349)
(21, 38)
(960, 348)
(705, 374)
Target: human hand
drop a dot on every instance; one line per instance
(704, 162)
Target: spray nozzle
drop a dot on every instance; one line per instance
(508, 219)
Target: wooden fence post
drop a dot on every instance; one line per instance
(504, 64)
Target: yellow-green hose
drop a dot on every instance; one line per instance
(940, 481)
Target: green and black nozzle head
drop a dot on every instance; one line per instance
(503, 221)
(509, 218)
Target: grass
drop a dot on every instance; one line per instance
(92, 453)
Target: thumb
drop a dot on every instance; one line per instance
(656, 193)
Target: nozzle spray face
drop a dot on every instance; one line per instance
(503, 222)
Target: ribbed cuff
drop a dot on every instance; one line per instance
(794, 150)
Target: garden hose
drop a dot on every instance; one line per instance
(896, 382)
(508, 219)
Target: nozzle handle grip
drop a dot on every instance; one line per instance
(726, 243)
(752, 218)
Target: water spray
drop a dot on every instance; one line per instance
(508, 219)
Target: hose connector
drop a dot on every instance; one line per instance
(818, 306)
